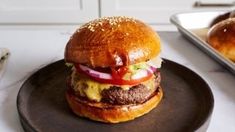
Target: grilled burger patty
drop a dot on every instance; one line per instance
(134, 95)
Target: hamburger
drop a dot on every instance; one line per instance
(115, 73)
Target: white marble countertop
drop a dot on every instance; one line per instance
(34, 47)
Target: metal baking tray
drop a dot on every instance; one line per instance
(194, 26)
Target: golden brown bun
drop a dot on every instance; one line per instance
(112, 41)
(222, 37)
(111, 113)
(222, 17)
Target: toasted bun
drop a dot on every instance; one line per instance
(222, 37)
(112, 41)
(222, 17)
(111, 113)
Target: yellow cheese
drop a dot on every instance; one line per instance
(87, 87)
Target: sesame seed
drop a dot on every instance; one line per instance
(114, 22)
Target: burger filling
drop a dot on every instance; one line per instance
(124, 85)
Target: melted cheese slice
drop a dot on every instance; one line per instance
(156, 62)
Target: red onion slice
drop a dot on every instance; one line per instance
(94, 73)
(138, 75)
(152, 69)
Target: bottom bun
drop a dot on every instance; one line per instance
(111, 113)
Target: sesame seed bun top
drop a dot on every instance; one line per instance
(111, 42)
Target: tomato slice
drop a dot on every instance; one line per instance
(119, 72)
(123, 82)
(117, 77)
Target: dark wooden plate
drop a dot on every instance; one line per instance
(186, 106)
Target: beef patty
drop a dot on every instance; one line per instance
(135, 95)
